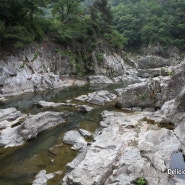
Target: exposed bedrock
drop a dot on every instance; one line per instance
(16, 128)
(126, 148)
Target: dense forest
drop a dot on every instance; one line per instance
(86, 24)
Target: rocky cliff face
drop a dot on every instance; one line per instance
(45, 67)
(33, 69)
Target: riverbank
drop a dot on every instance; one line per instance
(135, 104)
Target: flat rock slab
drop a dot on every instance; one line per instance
(99, 79)
(40, 122)
(18, 128)
(84, 108)
(52, 104)
(9, 113)
(98, 98)
(10, 121)
(42, 177)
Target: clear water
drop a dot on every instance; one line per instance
(19, 165)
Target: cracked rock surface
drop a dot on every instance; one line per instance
(126, 148)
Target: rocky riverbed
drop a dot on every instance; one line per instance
(139, 123)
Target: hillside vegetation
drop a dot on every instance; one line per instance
(83, 25)
(146, 22)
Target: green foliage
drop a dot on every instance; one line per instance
(21, 22)
(143, 96)
(170, 72)
(35, 56)
(99, 57)
(116, 40)
(19, 35)
(141, 181)
(146, 22)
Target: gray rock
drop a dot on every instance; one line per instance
(42, 178)
(9, 113)
(48, 104)
(99, 79)
(52, 104)
(10, 121)
(126, 148)
(39, 122)
(84, 108)
(127, 79)
(74, 138)
(98, 98)
(112, 65)
(157, 146)
(180, 101)
(174, 109)
(76, 161)
(100, 157)
(176, 83)
(34, 69)
(85, 133)
(139, 95)
(2, 81)
(151, 61)
(146, 73)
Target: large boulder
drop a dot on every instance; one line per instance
(180, 101)
(154, 72)
(42, 177)
(39, 122)
(74, 138)
(176, 84)
(111, 65)
(139, 95)
(151, 61)
(10, 121)
(98, 97)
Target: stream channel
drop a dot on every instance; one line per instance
(19, 165)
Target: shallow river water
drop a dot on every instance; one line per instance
(19, 165)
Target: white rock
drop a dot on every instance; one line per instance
(74, 138)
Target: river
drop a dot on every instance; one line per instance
(19, 165)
